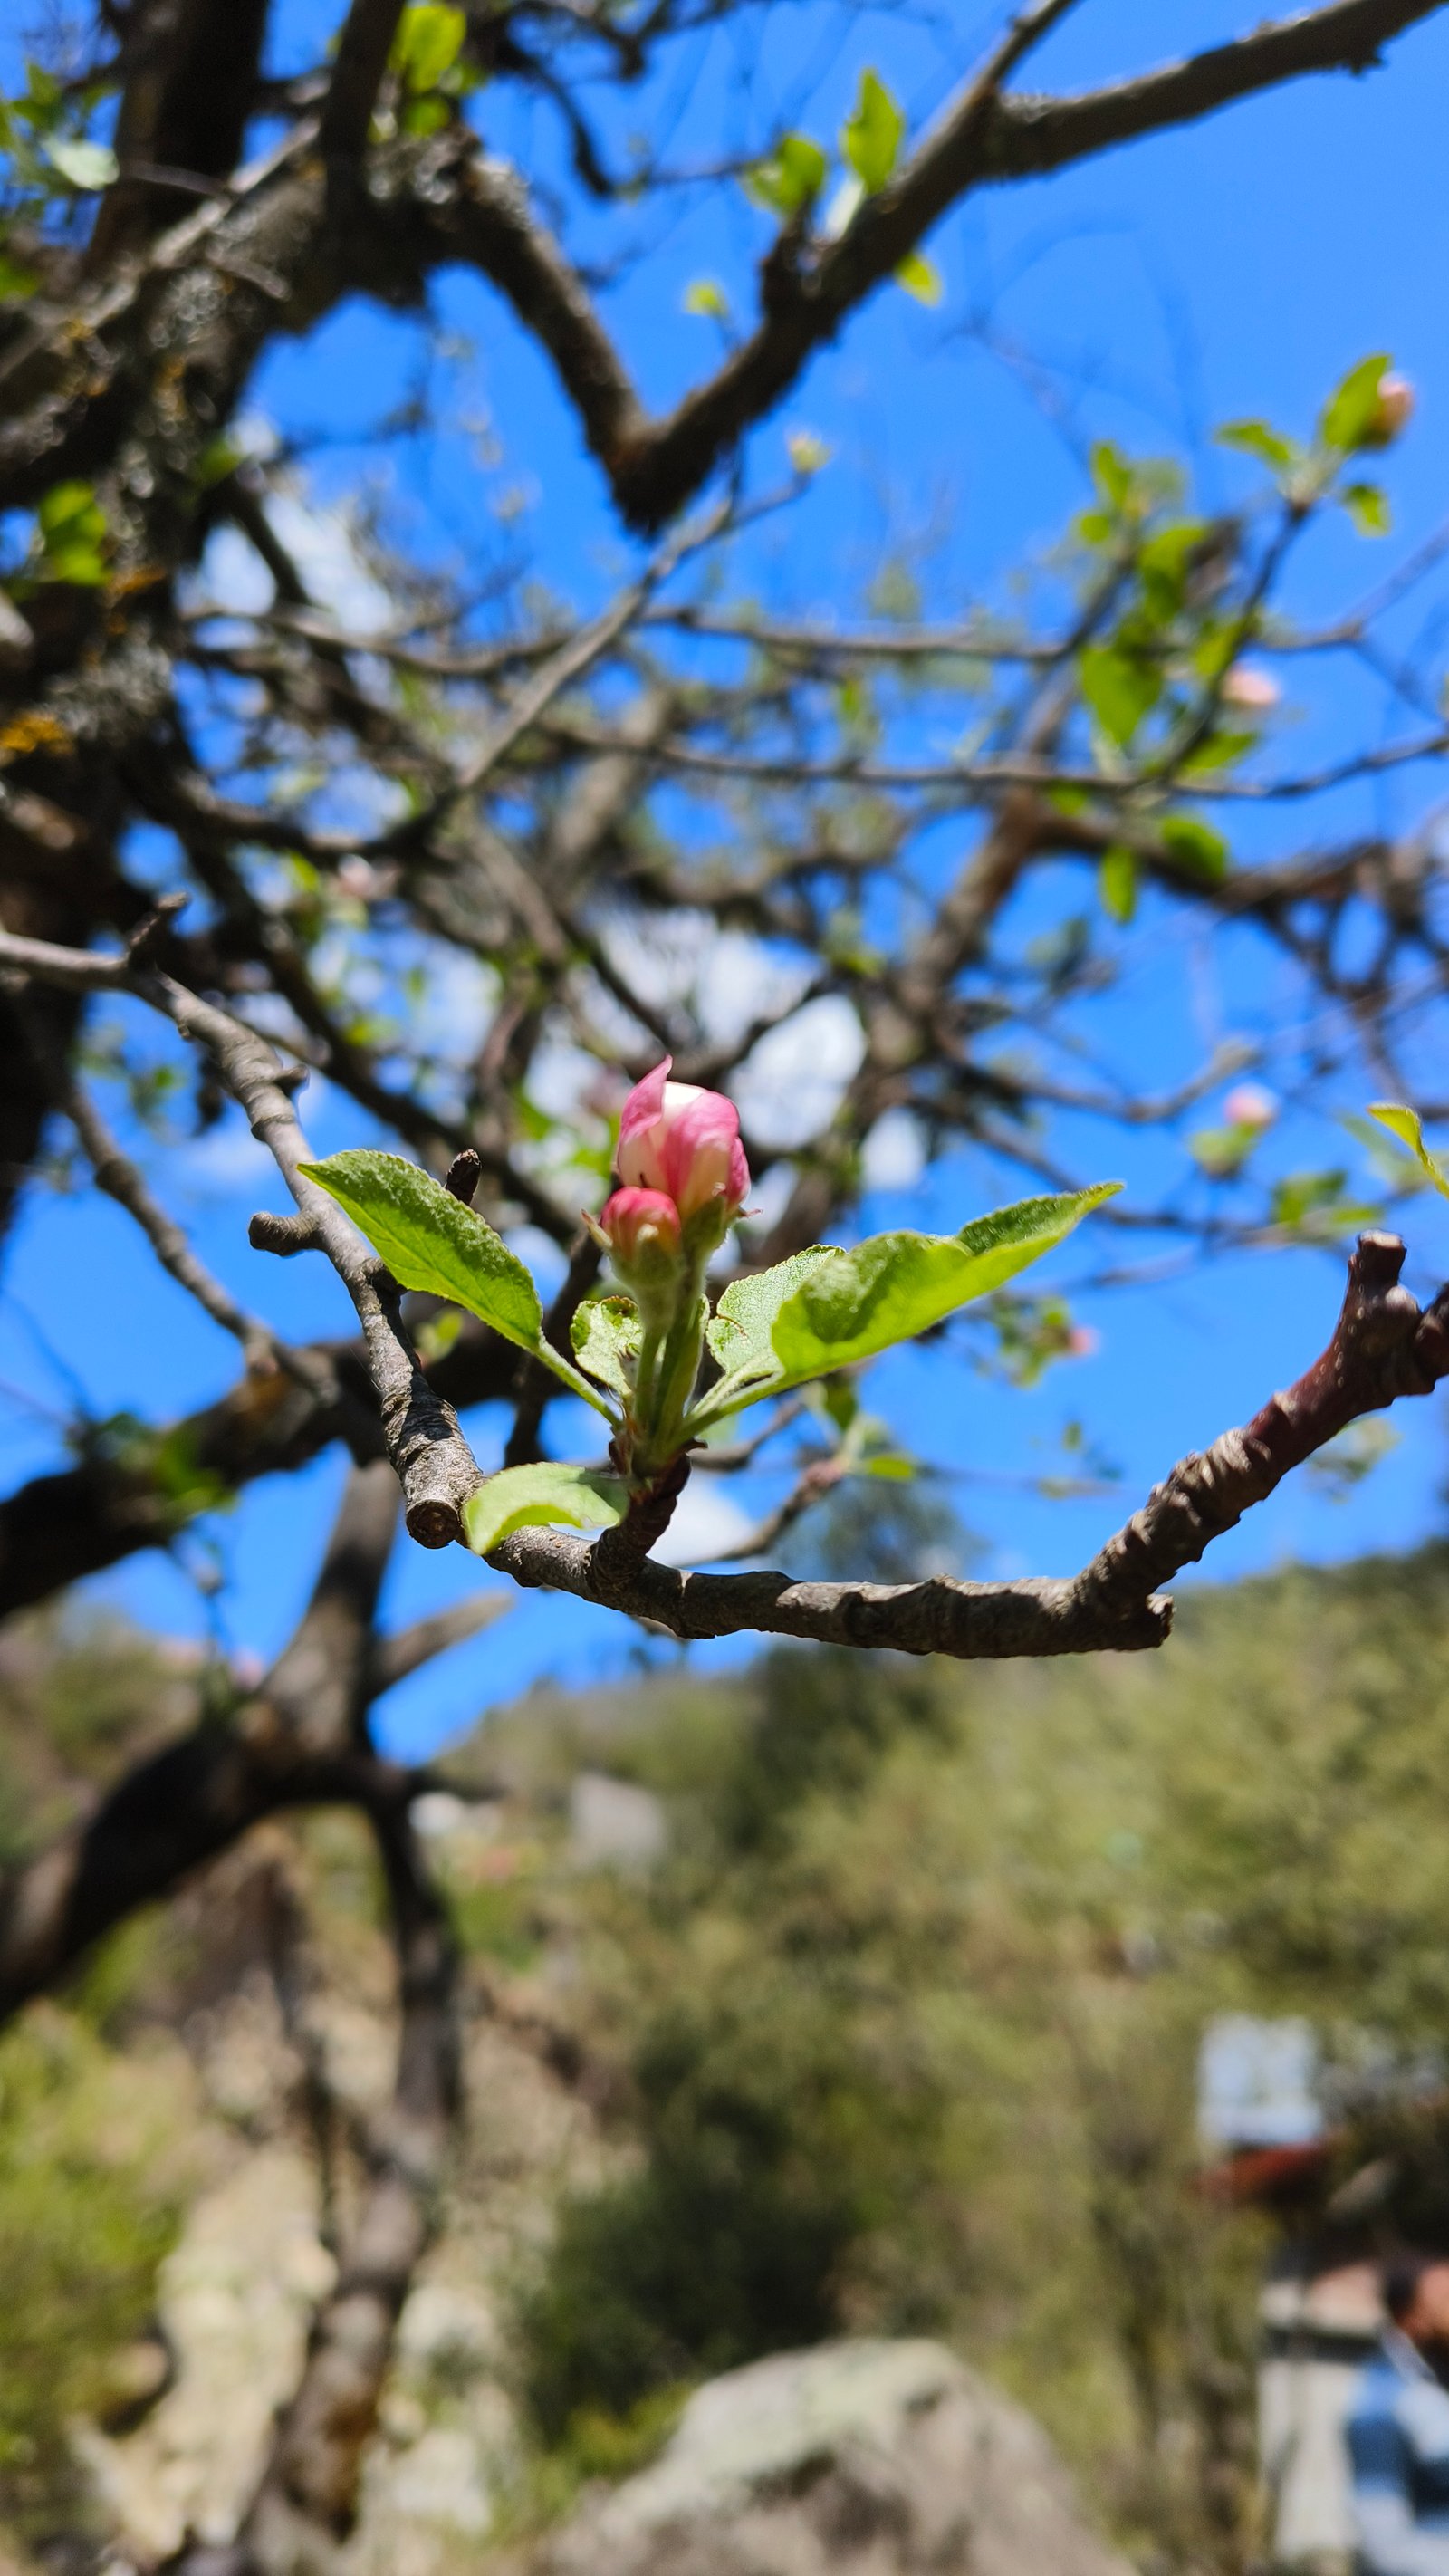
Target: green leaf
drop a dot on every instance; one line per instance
(1112, 474)
(16, 281)
(424, 115)
(705, 295)
(1117, 882)
(1119, 688)
(427, 43)
(1402, 1172)
(1217, 751)
(72, 527)
(790, 177)
(548, 1494)
(605, 1334)
(1348, 417)
(896, 1286)
(1312, 1205)
(1256, 438)
(740, 1329)
(430, 1240)
(1404, 1123)
(1367, 505)
(920, 278)
(85, 165)
(1195, 846)
(71, 510)
(870, 138)
(1222, 1151)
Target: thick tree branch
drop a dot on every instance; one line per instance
(296, 1741)
(983, 136)
(308, 2495)
(299, 1740)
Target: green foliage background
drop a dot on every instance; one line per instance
(908, 2025)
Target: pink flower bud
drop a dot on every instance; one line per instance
(641, 1226)
(1395, 409)
(1249, 1104)
(1250, 687)
(685, 1142)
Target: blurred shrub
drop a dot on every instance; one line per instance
(89, 2202)
(909, 2023)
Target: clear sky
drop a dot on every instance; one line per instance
(1237, 267)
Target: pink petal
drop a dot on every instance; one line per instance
(698, 1150)
(645, 1102)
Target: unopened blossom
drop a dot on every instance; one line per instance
(642, 1226)
(1394, 409)
(1250, 1104)
(1249, 686)
(683, 1142)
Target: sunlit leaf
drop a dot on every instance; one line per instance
(547, 1495)
(1117, 882)
(1256, 438)
(1367, 505)
(790, 177)
(920, 278)
(1195, 846)
(1119, 688)
(705, 295)
(740, 1329)
(870, 138)
(427, 43)
(605, 1334)
(430, 1240)
(1348, 417)
(1405, 1124)
(896, 1286)
(86, 165)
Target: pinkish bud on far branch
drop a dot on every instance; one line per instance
(1250, 1104)
(684, 1142)
(1248, 686)
(1394, 410)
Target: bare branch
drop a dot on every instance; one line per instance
(396, 1656)
(357, 76)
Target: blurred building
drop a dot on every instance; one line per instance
(1260, 2106)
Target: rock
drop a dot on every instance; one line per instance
(866, 2458)
(235, 2298)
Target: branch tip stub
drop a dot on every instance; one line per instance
(435, 1523)
(463, 1175)
(283, 1235)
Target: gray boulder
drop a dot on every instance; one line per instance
(866, 2458)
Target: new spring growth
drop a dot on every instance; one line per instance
(684, 1180)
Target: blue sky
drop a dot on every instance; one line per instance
(1237, 267)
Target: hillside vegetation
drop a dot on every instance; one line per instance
(901, 2033)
